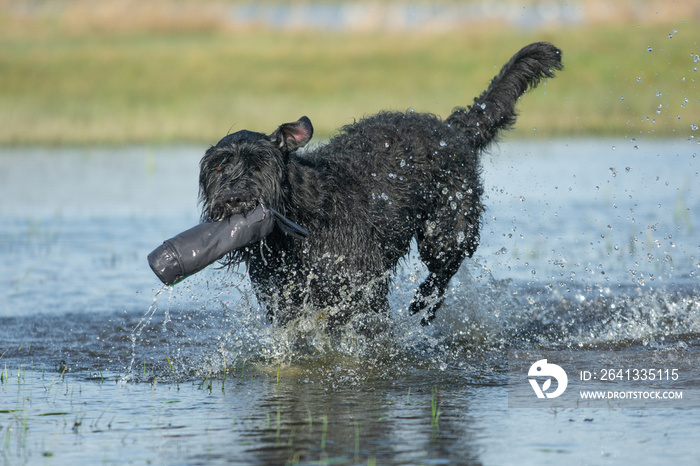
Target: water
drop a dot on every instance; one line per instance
(408, 16)
(586, 245)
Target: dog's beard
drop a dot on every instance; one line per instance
(221, 210)
(235, 259)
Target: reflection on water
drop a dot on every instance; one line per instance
(586, 244)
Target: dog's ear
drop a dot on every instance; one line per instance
(291, 136)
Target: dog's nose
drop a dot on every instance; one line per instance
(234, 201)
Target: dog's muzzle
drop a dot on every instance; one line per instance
(231, 204)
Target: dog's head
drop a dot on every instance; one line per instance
(246, 169)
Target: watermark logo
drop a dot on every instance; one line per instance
(543, 369)
(587, 378)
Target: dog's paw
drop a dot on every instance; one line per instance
(428, 306)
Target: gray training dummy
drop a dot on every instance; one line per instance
(194, 249)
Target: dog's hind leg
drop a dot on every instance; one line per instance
(446, 238)
(442, 252)
(431, 293)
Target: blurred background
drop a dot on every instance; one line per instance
(79, 72)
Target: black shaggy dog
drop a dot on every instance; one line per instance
(363, 197)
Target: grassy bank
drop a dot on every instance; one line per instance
(59, 87)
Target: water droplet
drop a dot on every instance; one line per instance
(443, 143)
(522, 198)
(649, 49)
(460, 237)
(459, 195)
(613, 172)
(453, 205)
(658, 93)
(694, 127)
(696, 59)
(386, 144)
(392, 176)
(622, 97)
(384, 196)
(613, 147)
(374, 175)
(445, 190)
(403, 163)
(639, 79)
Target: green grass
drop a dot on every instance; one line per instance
(63, 88)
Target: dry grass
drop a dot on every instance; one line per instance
(72, 79)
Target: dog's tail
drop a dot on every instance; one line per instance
(494, 110)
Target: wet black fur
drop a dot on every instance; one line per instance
(364, 196)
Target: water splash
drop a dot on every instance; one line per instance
(136, 332)
(481, 317)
